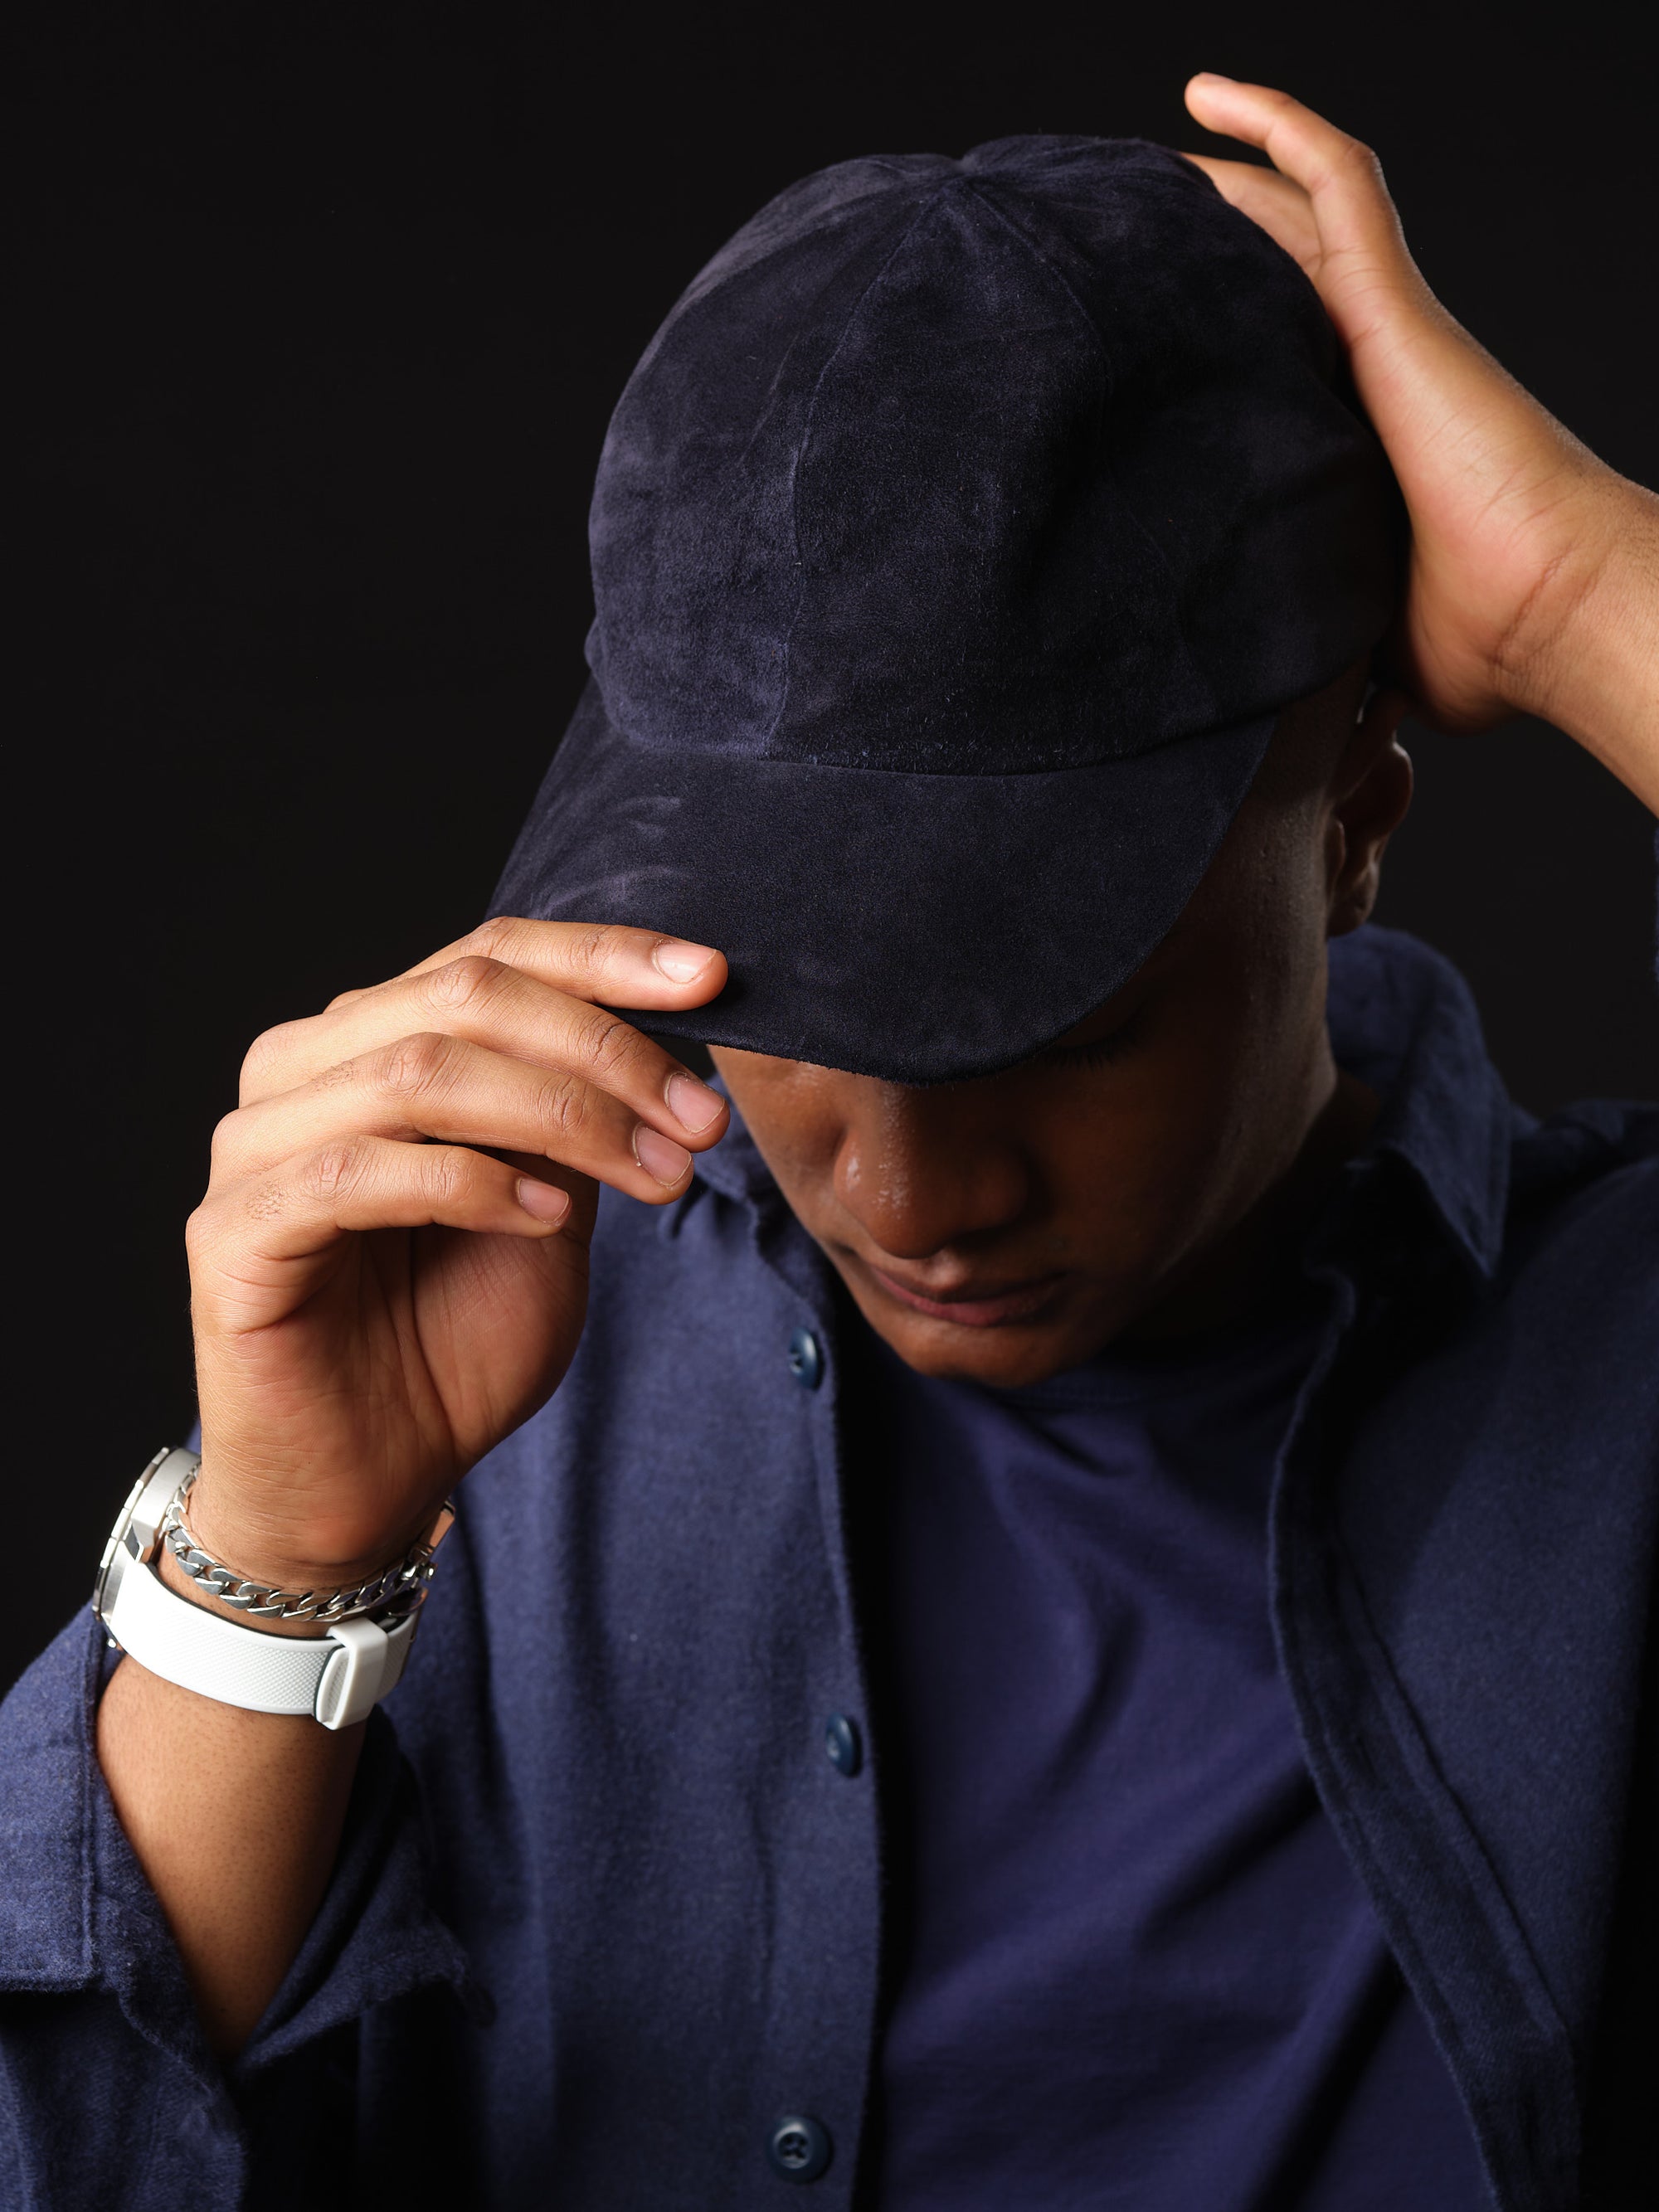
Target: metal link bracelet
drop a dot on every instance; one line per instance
(396, 1591)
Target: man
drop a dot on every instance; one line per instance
(1064, 1623)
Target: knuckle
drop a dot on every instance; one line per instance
(263, 1060)
(588, 946)
(609, 1047)
(585, 950)
(460, 983)
(564, 1107)
(449, 1174)
(1359, 162)
(337, 1169)
(223, 1144)
(494, 940)
(414, 1065)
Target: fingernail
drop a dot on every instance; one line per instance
(543, 1200)
(692, 1105)
(680, 962)
(661, 1156)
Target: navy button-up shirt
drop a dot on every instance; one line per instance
(606, 1916)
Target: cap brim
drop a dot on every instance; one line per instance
(920, 929)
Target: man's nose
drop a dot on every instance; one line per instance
(918, 1176)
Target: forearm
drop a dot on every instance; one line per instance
(1593, 670)
(235, 1817)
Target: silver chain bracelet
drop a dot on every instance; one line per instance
(396, 1591)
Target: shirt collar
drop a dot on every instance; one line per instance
(1403, 1021)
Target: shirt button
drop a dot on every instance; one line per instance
(807, 1359)
(799, 2147)
(841, 1741)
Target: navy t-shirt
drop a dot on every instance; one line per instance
(1133, 1968)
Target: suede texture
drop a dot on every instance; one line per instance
(955, 545)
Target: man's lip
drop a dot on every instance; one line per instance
(973, 1307)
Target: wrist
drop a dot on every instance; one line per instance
(323, 1551)
(337, 1679)
(186, 1586)
(1586, 655)
(238, 1565)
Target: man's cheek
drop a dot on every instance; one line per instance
(1152, 1191)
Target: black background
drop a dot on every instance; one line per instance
(321, 319)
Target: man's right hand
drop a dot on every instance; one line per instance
(389, 1271)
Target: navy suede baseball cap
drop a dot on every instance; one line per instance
(955, 545)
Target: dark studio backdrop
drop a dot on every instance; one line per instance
(321, 319)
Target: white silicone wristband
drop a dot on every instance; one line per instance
(337, 1679)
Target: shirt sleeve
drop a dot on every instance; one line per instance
(108, 2092)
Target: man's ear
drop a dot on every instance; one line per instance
(1369, 795)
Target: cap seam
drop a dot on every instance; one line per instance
(1100, 340)
(804, 440)
(957, 182)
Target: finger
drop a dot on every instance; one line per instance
(640, 969)
(1303, 146)
(1359, 235)
(435, 1088)
(485, 1002)
(357, 1183)
(634, 968)
(1277, 204)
